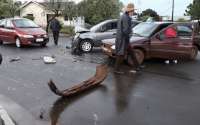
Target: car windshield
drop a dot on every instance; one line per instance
(144, 29)
(96, 27)
(25, 23)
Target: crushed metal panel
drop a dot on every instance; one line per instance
(100, 75)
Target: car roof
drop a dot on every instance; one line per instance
(180, 23)
(15, 18)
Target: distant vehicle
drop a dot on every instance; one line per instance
(151, 40)
(22, 31)
(86, 39)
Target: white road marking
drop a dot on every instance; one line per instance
(5, 117)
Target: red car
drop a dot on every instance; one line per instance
(22, 31)
(160, 40)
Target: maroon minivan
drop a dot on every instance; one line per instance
(22, 31)
(163, 40)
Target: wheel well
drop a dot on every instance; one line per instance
(91, 41)
(198, 46)
(142, 49)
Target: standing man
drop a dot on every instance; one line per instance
(55, 26)
(122, 41)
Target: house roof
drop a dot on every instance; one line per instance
(27, 3)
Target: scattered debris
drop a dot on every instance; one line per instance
(167, 62)
(49, 60)
(15, 59)
(41, 116)
(173, 61)
(101, 74)
(95, 119)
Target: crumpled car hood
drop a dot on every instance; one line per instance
(79, 29)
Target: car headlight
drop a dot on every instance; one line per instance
(113, 47)
(76, 36)
(27, 36)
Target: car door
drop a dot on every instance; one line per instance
(163, 45)
(2, 29)
(184, 42)
(107, 31)
(9, 31)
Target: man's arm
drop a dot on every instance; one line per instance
(126, 28)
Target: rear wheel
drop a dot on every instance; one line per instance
(194, 53)
(86, 46)
(18, 43)
(139, 56)
(43, 45)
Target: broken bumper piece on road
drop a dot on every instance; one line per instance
(98, 78)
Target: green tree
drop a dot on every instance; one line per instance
(96, 11)
(149, 13)
(193, 10)
(9, 8)
(70, 10)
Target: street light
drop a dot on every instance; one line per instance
(172, 10)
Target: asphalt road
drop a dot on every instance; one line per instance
(161, 94)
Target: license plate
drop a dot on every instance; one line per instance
(39, 40)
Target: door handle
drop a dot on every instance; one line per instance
(114, 34)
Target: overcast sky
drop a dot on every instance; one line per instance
(163, 7)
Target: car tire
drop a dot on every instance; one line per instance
(18, 43)
(86, 46)
(194, 53)
(139, 56)
(43, 45)
(1, 42)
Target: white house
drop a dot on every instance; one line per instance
(37, 10)
(41, 14)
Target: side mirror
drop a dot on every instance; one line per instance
(160, 37)
(102, 29)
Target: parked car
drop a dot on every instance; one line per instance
(22, 31)
(86, 39)
(153, 40)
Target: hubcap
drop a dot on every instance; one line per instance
(18, 43)
(86, 46)
(194, 53)
(139, 55)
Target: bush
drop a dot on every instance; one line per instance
(68, 30)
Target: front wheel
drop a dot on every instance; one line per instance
(43, 45)
(18, 43)
(194, 53)
(139, 56)
(86, 46)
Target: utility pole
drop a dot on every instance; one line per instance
(172, 10)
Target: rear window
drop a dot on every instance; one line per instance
(184, 31)
(25, 23)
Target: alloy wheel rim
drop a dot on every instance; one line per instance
(86, 46)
